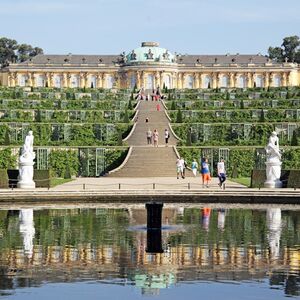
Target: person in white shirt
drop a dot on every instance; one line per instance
(221, 173)
(167, 136)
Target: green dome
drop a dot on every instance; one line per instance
(150, 52)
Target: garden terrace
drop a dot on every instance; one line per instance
(213, 134)
(235, 115)
(64, 116)
(63, 104)
(232, 104)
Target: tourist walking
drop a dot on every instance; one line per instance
(221, 173)
(155, 138)
(183, 167)
(167, 136)
(194, 167)
(206, 178)
(178, 167)
(149, 137)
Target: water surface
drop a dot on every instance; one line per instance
(108, 254)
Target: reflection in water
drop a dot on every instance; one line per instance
(274, 230)
(205, 217)
(221, 219)
(27, 230)
(97, 244)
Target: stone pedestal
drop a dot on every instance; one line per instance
(273, 172)
(26, 173)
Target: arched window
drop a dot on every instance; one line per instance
(150, 82)
(92, 81)
(207, 82)
(224, 81)
(40, 80)
(22, 80)
(57, 81)
(74, 81)
(167, 81)
(277, 80)
(109, 81)
(242, 82)
(259, 81)
(189, 82)
(132, 81)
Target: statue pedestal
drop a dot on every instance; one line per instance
(26, 173)
(273, 173)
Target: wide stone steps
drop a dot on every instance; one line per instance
(146, 160)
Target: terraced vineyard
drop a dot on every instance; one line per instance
(90, 124)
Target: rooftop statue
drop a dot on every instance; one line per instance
(133, 55)
(149, 54)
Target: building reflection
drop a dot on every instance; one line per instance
(194, 255)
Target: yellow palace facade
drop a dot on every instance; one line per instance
(150, 66)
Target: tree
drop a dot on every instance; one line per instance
(7, 51)
(276, 53)
(179, 116)
(11, 51)
(126, 117)
(291, 47)
(289, 50)
(189, 137)
(294, 141)
(262, 116)
(173, 105)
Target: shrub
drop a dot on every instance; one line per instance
(60, 160)
(7, 159)
(179, 116)
(3, 179)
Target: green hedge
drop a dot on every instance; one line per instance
(3, 179)
(7, 159)
(63, 161)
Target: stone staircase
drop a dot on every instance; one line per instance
(146, 160)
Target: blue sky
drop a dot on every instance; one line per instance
(184, 26)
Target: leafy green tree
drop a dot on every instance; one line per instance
(173, 105)
(276, 53)
(189, 137)
(25, 51)
(179, 116)
(126, 117)
(294, 141)
(289, 50)
(8, 49)
(262, 118)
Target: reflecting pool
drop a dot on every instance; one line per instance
(107, 253)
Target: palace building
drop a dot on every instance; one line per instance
(150, 66)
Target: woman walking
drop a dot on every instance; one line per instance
(194, 167)
(155, 138)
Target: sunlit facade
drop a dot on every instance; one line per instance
(150, 66)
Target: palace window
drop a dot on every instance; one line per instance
(109, 81)
(22, 80)
(74, 81)
(132, 81)
(189, 82)
(167, 81)
(224, 81)
(259, 81)
(242, 82)
(92, 81)
(150, 82)
(57, 81)
(40, 81)
(207, 82)
(277, 80)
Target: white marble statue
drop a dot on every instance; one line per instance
(273, 163)
(26, 163)
(27, 230)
